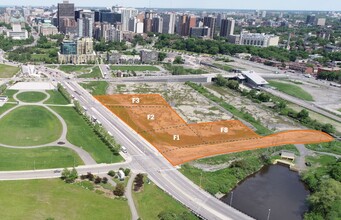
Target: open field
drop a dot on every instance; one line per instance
(75, 68)
(53, 199)
(56, 98)
(29, 126)
(6, 107)
(7, 71)
(152, 200)
(180, 142)
(224, 67)
(95, 73)
(96, 88)
(135, 68)
(292, 90)
(81, 134)
(31, 97)
(39, 158)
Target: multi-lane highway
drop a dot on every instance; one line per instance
(145, 158)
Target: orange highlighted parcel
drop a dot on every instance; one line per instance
(157, 122)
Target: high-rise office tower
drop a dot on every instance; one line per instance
(66, 10)
(227, 27)
(126, 14)
(157, 25)
(210, 22)
(168, 26)
(191, 21)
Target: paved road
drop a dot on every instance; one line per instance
(302, 103)
(128, 194)
(145, 158)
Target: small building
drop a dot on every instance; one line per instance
(17, 33)
(287, 155)
(254, 79)
(47, 29)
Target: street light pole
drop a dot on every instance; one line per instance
(231, 199)
(269, 214)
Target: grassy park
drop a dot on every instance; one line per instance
(7, 71)
(292, 90)
(135, 68)
(96, 88)
(31, 97)
(53, 199)
(29, 126)
(37, 158)
(152, 200)
(82, 135)
(10, 93)
(6, 107)
(56, 98)
(95, 73)
(75, 68)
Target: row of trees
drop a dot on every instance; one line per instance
(214, 47)
(330, 76)
(7, 44)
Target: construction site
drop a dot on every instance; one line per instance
(156, 121)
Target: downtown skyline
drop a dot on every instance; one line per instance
(304, 5)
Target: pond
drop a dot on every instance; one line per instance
(274, 191)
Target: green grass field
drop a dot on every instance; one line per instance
(331, 147)
(75, 68)
(339, 110)
(96, 88)
(31, 97)
(223, 67)
(7, 71)
(56, 98)
(10, 93)
(96, 73)
(54, 199)
(152, 200)
(292, 90)
(135, 68)
(82, 135)
(6, 107)
(29, 126)
(39, 158)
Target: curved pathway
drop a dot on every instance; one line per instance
(84, 155)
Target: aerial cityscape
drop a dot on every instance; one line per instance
(177, 110)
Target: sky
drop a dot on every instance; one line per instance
(328, 5)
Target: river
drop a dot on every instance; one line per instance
(274, 187)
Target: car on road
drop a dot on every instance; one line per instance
(57, 171)
(124, 149)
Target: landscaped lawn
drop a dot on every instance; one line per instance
(96, 88)
(10, 93)
(56, 98)
(292, 90)
(96, 73)
(135, 68)
(82, 135)
(7, 71)
(152, 200)
(5, 107)
(31, 97)
(75, 68)
(54, 199)
(29, 126)
(224, 67)
(38, 158)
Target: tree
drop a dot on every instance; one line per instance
(111, 173)
(119, 190)
(162, 56)
(127, 172)
(104, 180)
(221, 81)
(98, 180)
(178, 60)
(69, 176)
(328, 128)
(167, 215)
(303, 114)
(335, 171)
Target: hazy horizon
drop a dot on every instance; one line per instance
(301, 5)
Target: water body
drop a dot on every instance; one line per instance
(274, 187)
